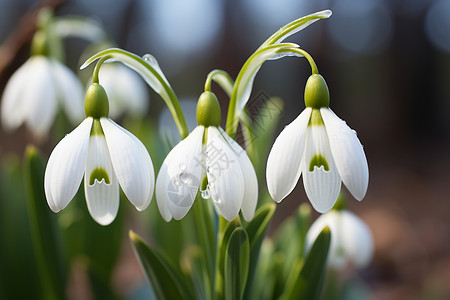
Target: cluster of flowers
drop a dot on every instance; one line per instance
(207, 163)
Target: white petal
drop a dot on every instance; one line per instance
(322, 186)
(283, 164)
(13, 104)
(180, 176)
(351, 241)
(225, 178)
(348, 154)
(250, 180)
(70, 91)
(102, 194)
(40, 96)
(66, 166)
(132, 164)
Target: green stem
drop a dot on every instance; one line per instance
(233, 122)
(145, 69)
(222, 78)
(95, 77)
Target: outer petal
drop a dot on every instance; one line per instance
(102, 194)
(283, 164)
(348, 154)
(250, 180)
(70, 91)
(13, 105)
(40, 96)
(132, 164)
(179, 177)
(352, 241)
(66, 165)
(225, 178)
(322, 186)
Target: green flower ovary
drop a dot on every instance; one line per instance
(316, 92)
(318, 160)
(99, 174)
(208, 110)
(96, 103)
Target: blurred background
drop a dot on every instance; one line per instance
(387, 65)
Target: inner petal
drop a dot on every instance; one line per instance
(100, 182)
(320, 177)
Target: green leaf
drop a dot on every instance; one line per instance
(295, 26)
(309, 281)
(227, 228)
(236, 264)
(17, 256)
(164, 279)
(256, 231)
(42, 222)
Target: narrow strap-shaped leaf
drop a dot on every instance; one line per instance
(308, 284)
(165, 281)
(256, 231)
(223, 241)
(236, 264)
(42, 222)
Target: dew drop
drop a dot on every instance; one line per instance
(182, 166)
(176, 182)
(147, 57)
(205, 193)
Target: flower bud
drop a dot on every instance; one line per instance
(316, 92)
(96, 103)
(208, 110)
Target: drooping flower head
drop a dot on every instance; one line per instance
(107, 155)
(351, 239)
(322, 148)
(42, 84)
(208, 162)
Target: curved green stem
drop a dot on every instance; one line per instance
(312, 63)
(232, 120)
(222, 78)
(95, 77)
(154, 77)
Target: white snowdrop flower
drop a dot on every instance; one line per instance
(127, 92)
(35, 91)
(232, 183)
(322, 148)
(107, 155)
(351, 239)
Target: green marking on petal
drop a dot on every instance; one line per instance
(316, 118)
(97, 128)
(99, 174)
(317, 161)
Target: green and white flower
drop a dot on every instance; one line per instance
(322, 148)
(232, 182)
(107, 155)
(351, 239)
(36, 90)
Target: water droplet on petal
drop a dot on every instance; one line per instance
(182, 166)
(205, 193)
